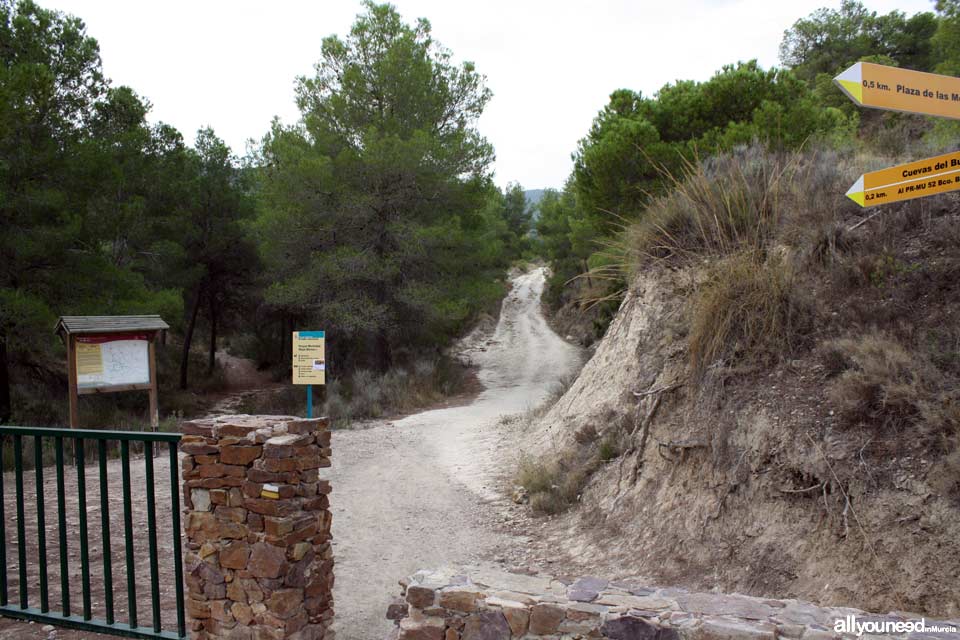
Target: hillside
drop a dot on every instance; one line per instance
(774, 408)
(533, 196)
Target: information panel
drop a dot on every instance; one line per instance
(309, 365)
(110, 361)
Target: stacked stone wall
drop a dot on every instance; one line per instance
(258, 558)
(441, 606)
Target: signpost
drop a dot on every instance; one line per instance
(107, 354)
(907, 181)
(880, 87)
(309, 363)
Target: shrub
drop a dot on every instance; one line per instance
(886, 385)
(555, 484)
(611, 445)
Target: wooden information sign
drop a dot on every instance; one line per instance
(107, 354)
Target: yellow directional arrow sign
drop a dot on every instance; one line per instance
(881, 87)
(907, 181)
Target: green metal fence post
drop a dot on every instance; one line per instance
(152, 539)
(84, 543)
(105, 531)
(128, 535)
(41, 525)
(3, 536)
(62, 522)
(177, 554)
(21, 528)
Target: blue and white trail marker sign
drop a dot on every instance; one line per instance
(309, 362)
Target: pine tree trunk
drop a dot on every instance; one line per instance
(382, 355)
(5, 408)
(188, 337)
(281, 340)
(212, 362)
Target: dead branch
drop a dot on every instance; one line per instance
(813, 488)
(669, 387)
(644, 434)
(678, 449)
(846, 525)
(864, 221)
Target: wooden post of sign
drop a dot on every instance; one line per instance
(154, 409)
(309, 400)
(72, 381)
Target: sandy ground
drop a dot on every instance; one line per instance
(421, 492)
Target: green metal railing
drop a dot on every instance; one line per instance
(66, 616)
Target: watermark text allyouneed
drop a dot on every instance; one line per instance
(851, 624)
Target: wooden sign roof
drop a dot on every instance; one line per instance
(73, 325)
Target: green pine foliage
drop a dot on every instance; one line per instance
(374, 216)
(377, 215)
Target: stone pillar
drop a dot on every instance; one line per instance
(259, 565)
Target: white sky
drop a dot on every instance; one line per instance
(551, 64)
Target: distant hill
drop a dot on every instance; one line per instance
(533, 196)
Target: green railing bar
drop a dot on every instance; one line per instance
(105, 531)
(84, 544)
(90, 434)
(21, 528)
(128, 534)
(152, 539)
(62, 522)
(96, 626)
(177, 555)
(41, 525)
(3, 537)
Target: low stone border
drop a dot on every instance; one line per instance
(441, 606)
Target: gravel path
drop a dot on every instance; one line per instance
(419, 492)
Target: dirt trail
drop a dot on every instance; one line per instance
(242, 379)
(418, 492)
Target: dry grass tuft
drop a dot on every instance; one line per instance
(720, 206)
(748, 311)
